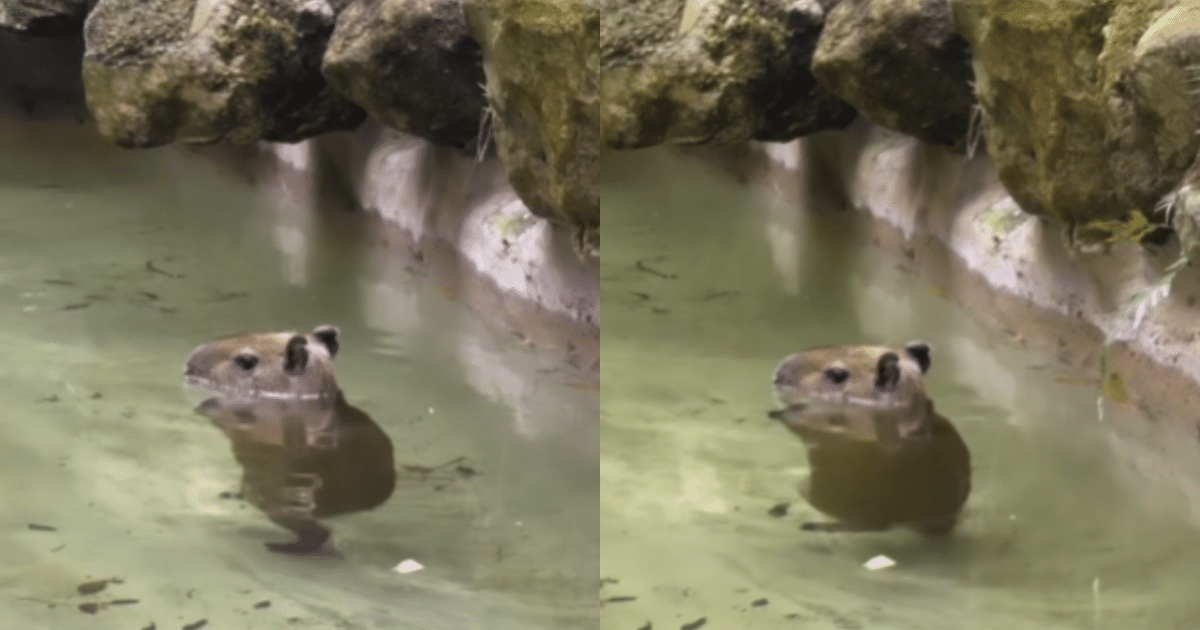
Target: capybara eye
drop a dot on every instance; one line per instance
(837, 375)
(246, 361)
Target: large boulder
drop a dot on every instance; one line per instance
(1089, 109)
(539, 57)
(411, 64)
(44, 18)
(198, 71)
(900, 63)
(722, 71)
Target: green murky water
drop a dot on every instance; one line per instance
(113, 265)
(1072, 524)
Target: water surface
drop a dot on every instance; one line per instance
(113, 265)
(1073, 524)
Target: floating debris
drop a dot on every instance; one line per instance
(466, 471)
(409, 566)
(1114, 388)
(94, 586)
(151, 268)
(643, 267)
(879, 562)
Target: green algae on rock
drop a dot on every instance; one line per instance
(1087, 109)
(163, 71)
(539, 57)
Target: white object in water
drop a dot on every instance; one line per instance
(879, 562)
(408, 566)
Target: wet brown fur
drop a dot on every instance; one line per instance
(305, 452)
(283, 364)
(879, 453)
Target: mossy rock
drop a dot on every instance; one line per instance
(1088, 109)
(539, 57)
(234, 72)
(413, 65)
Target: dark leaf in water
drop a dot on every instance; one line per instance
(95, 586)
(466, 471)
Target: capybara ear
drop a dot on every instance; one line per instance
(296, 358)
(887, 373)
(330, 337)
(921, 353)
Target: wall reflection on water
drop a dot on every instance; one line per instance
(709, 282)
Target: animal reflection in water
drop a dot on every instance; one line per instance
(305, 452)
(306, 460)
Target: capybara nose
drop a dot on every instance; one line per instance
(786, 374)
